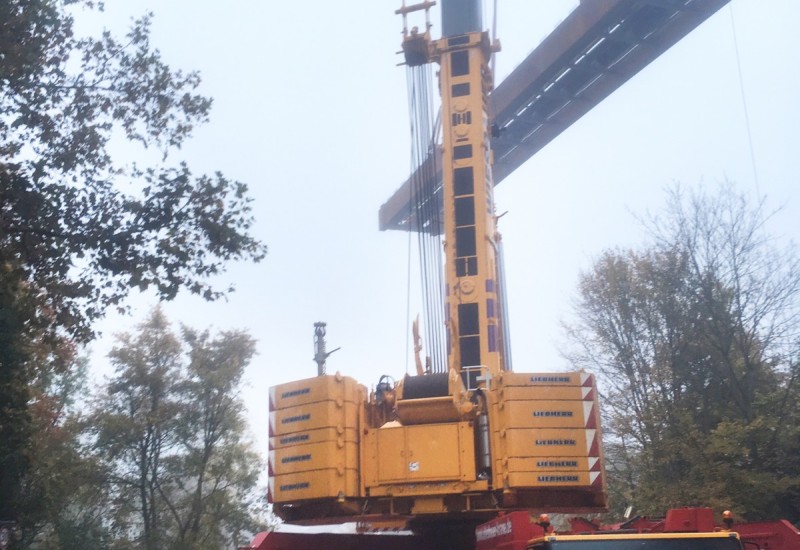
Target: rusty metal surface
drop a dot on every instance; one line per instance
(595, 50)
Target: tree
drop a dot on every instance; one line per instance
(696, 338)
(169, 429)
(222, 466)
(63, 99)
(135, 421)
(48, 485)
(78, 228)
(62, 503)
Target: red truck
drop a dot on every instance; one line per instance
(680, 529)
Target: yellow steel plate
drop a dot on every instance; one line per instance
(553, 393)
(553, 464)
(431, 452)
(314, 456)
(553, 479)
(388, 455)
(536, 442)
(316, 484)
(546, 414)
(423, 488)
(545, 379)
(321, 388)
(311, 416)
(313, 436)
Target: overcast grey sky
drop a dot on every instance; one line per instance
(310, 111)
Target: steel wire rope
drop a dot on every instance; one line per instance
(411, 191)
(438, 306)
(426, 211)
(413, 98)
(425, 214)
(434, 262)
(408, 287)
(414, 191)
(422, 198)
(418, 182)
(744, 102)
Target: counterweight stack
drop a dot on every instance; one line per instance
(314, 439)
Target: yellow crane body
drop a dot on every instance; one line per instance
(348, 453)
(472, 437)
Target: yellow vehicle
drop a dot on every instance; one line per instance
(429, 445)
(465, 435)
(638, 541)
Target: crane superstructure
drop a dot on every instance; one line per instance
(470, 438)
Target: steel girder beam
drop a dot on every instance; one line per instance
(595, 50)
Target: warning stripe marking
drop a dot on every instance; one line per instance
(594, 448)
(590, 415)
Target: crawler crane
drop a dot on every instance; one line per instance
(467, 439)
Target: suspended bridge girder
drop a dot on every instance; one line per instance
(596, 49)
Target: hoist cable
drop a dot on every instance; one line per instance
(425, 213)
(412, 191)
(427, 250)
(430, 213)
(744, 102)
(408, 297)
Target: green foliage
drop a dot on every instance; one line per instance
(16, 425)
(159, 459)
(697, 338)
(67, 225)
(78, 227)
(169, 431)
(61, 501)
